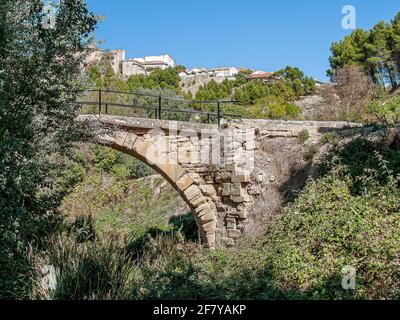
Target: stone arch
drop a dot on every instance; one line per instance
(143, 148)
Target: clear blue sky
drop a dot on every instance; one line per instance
(259, 34)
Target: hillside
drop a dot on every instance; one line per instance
(300, 255)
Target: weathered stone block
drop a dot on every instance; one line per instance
(184, 157)
(226, 189)
(207, 216)
(243, 198)
(173, 171)
(249, 146)
(184, 182)
(195, 177)
(194, 196)
(217, 177)
(231, 166)
(209, 179)
(236, 189)
(254, 191)
(234, 234)
(198, 200)
(130, 140)
(230, 223)
(241, 177)
(208, 190)
(243, 215)
(210, 228)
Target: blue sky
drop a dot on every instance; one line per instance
(258, 34)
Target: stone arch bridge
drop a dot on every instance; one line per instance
(213, 168)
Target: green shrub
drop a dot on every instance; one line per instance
(327, 229)
(304, 135)
(120, 165)
(138, 169)
(329, 137)
(310, 153)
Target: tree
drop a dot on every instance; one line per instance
(40, 81)
(395, 44)
(291, 73)
(296, 79)
(216, 91)
(377, 51)
(349, 51)
(379, 54)
(109, 78)
(354, 89)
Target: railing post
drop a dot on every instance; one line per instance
(99, 101)
(159, 107)
(106, 108)
(219, 114)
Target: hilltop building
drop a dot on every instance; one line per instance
(146, 64)
(129, 67)
(229, 73)
(114, 57)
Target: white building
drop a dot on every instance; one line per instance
(227, 72)
(163, 61)
(146, 64)
(214, 73)
(132, 67)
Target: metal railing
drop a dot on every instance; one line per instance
(157, 107)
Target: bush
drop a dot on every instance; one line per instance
(329, 137)
(304, 135)
(310, 153)
(84, 271)
(119, 165)
(347, 217)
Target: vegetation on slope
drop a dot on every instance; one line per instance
(347, 216)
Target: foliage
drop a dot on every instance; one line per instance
(377, 51)
(251, 92)
(122, 166)
(91, 270)
(304, 135)
(215, 91)
(301, 84)
(349, 216)
(40, 79)
(329, 137)
(102, 76)
(291, 84)
(386, 110)
(310, 153)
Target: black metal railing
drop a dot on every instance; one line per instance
(156, 106)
